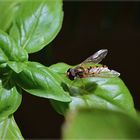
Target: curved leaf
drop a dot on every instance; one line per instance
(40, 81)
(10, 97)
(8, 9)
(9, 51)
(37, 23)
(100, 124)
(95, 92)
(9, 130)
(16, 66)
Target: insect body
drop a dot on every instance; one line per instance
(82, 71)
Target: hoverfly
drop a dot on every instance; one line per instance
(81, 71)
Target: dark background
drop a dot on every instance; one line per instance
(87, 27)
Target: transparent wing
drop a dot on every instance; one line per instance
(96, 57)
(108, 74)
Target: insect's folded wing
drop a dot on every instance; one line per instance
(108, 74)
(96, 57)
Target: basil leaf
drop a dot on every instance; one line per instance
(16, 66)
(40, 81)
(94, 92)
(10, 96)
(9, 50)
(100, 124)
(37, 23)
(8, 9)
(9, 130)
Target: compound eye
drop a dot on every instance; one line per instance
(70, 74)
(71, 77)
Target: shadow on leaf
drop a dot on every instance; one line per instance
(82, 89)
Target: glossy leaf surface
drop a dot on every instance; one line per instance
(37, 23)
(16, 66)
(100, 124)
(10, 97)
(9, 130)
(9, 50)
(40, 81)
(96, 92)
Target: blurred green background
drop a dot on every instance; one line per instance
(87, 27)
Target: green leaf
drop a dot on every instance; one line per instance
(96, 92)
(100, 124)
(16, 66)
(9, 130)
(60, 107)
(9, 50)
(40, 81)
(37, 23)
(10, 96)
(8, 9)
